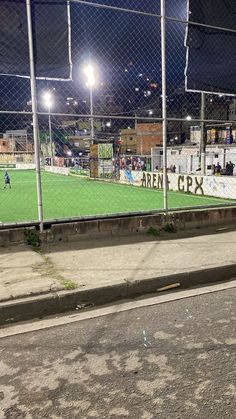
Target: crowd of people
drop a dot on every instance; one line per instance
(171, 169)
(228, 170)
(134, 163)
(144, 164)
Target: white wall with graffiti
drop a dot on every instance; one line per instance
(217, 186)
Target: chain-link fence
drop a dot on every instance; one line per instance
(108, 127)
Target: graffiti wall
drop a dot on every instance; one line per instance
(217, 186)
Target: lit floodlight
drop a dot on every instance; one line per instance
(47, 97)
(90, 75)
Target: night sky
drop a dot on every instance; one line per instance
(126, 49)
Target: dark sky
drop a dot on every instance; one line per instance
(117, 38)
(123, 45)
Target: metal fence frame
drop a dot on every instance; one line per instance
(164, 119)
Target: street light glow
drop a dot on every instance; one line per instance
(48, 102)
(90, 75)
(189, 118)
(89, 72)
(47, 99)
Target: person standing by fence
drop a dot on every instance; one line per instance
(231, 168)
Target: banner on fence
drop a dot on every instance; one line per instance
(51, 36)
(211, 60)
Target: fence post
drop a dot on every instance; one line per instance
(164, 111)
(50, 134)
(35, 114)
(202, 141)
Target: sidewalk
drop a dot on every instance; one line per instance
(89, 266)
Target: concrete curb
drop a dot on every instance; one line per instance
(54, 303)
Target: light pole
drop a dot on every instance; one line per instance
(90, 76)
(35, 114)
(164, 102)
(48, 103)
(202, 154)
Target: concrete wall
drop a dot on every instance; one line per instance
(80, 230)
(58, 170)
(25, 166)
(13, 158)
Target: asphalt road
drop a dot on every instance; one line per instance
(172, 360)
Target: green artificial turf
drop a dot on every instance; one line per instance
(68, 196)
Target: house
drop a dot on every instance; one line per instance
(16, 147)
(141, 140)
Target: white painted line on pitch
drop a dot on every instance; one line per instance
(111, 309)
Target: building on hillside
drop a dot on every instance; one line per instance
(106, 103)
(232, 110)
(182, 104)
(148, 136)
(186, 158)
(82, 143)
(6, 146)
(128, 141)
(216, 134)
(141, 140)
(16, 147)
(18, 141)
